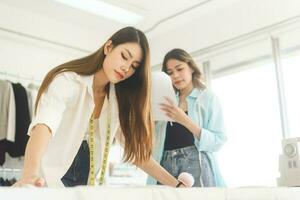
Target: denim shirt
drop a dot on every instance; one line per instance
(205, 110)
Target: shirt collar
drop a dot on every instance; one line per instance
(88, 81)
(194, 94)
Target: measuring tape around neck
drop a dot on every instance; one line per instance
(91, 180)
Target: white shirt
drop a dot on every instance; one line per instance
(65, 107)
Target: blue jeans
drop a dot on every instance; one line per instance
(187, 160)
(78, 173)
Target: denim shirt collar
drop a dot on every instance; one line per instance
(194, 94)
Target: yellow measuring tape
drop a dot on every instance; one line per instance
(92, 148)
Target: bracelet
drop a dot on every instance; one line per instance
(179, 184)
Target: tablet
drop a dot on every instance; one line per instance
(161, 87)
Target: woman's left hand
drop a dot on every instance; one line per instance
(174, 112)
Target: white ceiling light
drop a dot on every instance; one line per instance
(103, 9)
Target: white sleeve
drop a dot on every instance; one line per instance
(53, 103)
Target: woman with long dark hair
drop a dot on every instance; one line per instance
(82, 105)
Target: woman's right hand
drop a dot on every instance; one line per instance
(34, 180)
(35, 149)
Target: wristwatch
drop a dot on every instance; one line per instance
(179, 184)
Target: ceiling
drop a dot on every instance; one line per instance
(54, 32)
(155, 12)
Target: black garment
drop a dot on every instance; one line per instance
(2, 182)
(78, 173)
(2, 151)
(7, 182)
(17, 148)
(177, 136)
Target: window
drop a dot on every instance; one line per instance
(290, 54)
(249, 98)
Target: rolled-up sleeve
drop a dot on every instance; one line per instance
(213, 134)
(53, 103)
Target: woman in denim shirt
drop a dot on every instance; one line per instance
(190, 142)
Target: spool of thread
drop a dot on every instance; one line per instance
(187, 179)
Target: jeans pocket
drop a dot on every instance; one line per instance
(192, 155)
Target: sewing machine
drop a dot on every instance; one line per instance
(289, 163)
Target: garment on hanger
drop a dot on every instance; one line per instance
(17, 148)
(11, 123)
(2, 151)
(4, 105)
(32, 91)
(16, 107)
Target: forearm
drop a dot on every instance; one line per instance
(192, 127)
(35, 149)
(152, 168)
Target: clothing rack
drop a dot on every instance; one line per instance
(9, 176)
(10, 172)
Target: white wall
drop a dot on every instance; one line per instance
(63, 25)
(29, 58)
(215, 22)
(233, 19)
(33, 58)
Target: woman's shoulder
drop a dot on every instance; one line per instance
(206, 93)
(66, 82)
(206, 97)
(68, 76)
(71, 79)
